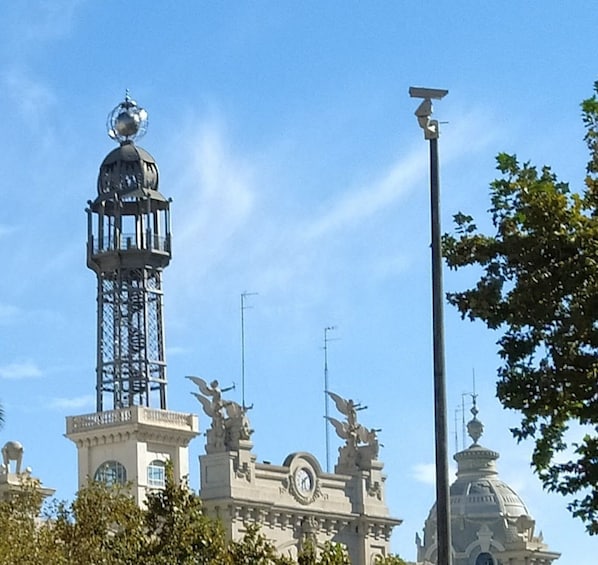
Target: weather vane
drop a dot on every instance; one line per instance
(127, 121)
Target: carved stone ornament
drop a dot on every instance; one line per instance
(12, 451)
(244, 472)
(374, 489)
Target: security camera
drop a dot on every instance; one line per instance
(427, 93)
(424, 109)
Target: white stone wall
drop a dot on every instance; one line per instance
(134, 437)
(296, 501)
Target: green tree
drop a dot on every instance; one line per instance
(539, 286)
(330, 554)
(390, 560)
(254, 549)
(23, 539)
(103, 521)
(104, 526)
(178, 529)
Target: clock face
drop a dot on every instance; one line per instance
(304, 480)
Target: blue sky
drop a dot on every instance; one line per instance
(286, 137)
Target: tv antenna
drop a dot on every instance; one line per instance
(460, 410)
(244, 295)
(326, 411)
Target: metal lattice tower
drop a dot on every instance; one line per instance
(128, 247)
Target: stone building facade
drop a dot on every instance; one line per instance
(296, 501)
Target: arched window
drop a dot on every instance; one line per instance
(484, 559)
(111, 473)
(156, 474)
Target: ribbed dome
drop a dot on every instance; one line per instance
(128, 169)
(478, 492)
(488, 518)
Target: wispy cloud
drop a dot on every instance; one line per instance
(426, 473)
(221, 196)
(226, 214)
(30, 97)
(74, 403)
(175, 350)
(355, 206)
(472, 133)
(46, 21)
(20, 370)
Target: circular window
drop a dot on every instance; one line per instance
(111, 473)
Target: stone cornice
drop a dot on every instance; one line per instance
(281, 516)
(145, 424)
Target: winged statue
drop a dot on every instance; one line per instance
(341, 428)
(206, 405)
(342, 405)
(234, 410)
(361, 447)
(368, 436)
(226, 429)
(207, 390)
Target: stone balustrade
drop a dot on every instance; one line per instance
(133, 414)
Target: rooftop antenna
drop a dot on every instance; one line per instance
(244, 295)
(326, 411)
(463, 427)
(461, 410)
(456, 432)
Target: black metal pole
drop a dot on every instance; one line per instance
(443, 520)
(326, 421)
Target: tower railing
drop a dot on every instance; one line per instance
(140, 414)
(126, 241)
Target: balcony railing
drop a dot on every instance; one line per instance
(134, 414)
(128, 241)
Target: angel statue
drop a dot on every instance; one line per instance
(236, 425)
(212, 404)
(370, 449)
(361, 446)
(346, 430)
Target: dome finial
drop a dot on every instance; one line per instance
(127, 121)
(475, 428)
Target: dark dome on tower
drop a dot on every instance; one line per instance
(127, 169)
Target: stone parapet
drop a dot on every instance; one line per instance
(131, 415)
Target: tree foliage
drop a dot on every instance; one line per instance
(101, 521)
(539, 286)
(178, 530)
(332, 554)
(22, 540)
(104, 526)
(390, 560)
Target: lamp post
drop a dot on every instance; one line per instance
(443, 518)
